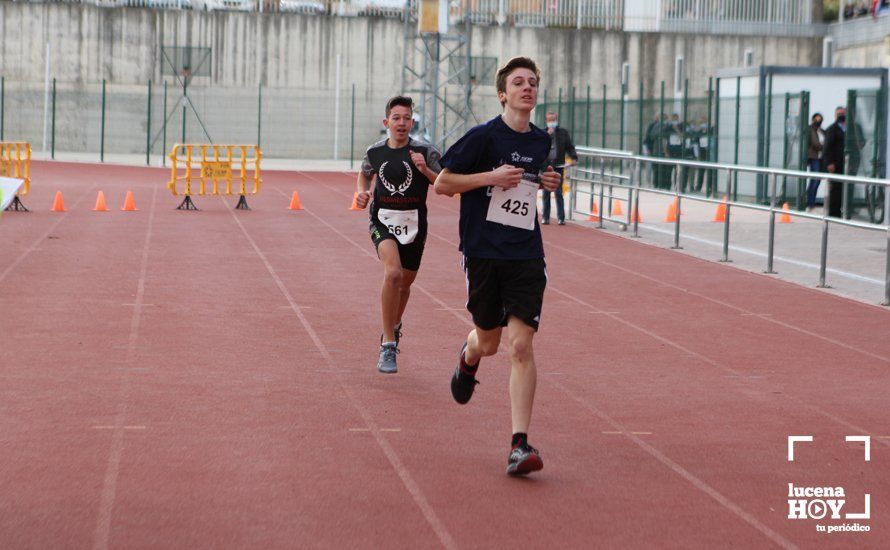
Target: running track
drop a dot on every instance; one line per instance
(206, 379)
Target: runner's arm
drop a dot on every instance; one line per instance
(363, 183)
(449, 183)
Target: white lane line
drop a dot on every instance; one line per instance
(109, 486)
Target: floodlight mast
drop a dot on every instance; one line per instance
(436, 70)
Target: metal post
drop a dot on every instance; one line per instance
(572, 119)
(164, 139)
(725, 257)
(886, 301)
(102, 128)
(602, 213)
(621, 124)
(772, 225)
(734, 195)
(640, 122)
(53, 135)
(823, 258)
(259, 115)
(677, 216)
(352, 131)
(638, 171)
(183, 124)
(148, 128)
(803, 126)
(559, 104)
(685, 169)
(604, 119)
(587, 130)
(2, 102)
(852, 141)
(709, 174)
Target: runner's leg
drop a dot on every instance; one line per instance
(523, 375)
(388, 251)
(408, 277)
(482, 343)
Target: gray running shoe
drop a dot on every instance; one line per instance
(387, 362)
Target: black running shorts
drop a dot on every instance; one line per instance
(497, 289)
(410, 254)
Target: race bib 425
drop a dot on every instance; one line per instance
(516, 207)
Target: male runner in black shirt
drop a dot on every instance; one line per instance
(404, 169)
(497, 168)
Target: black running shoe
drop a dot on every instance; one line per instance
(462, 382)
(524, 459)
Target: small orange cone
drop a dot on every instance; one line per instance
(785, 218)
(672, 212)
(129, 203)
(720, 214)
(635, 216)
(616, 209)
(354, 205)
(100, 203)
(58, 203)
(295, 202)
(594, 214)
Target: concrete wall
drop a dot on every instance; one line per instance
(294, 58)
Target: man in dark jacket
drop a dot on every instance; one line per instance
(833, 159)
(560, 146)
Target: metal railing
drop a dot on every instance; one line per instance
(622, 171)
(744, 17)
(864, 30)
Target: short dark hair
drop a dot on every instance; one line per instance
(399, 101)
(818, 115)
(509, 67)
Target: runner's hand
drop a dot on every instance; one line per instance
(550, 179)
(418, 161)
(362, 200)
(506, 176)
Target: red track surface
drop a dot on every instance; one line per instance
(183, 379)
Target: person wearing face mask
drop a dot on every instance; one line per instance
(560, 146)
(814, 158)
(833, 159)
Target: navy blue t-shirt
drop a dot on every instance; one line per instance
(482, 149)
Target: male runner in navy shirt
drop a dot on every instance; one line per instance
(497, 168)
(404, 169)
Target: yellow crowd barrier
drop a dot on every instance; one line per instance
(206, 169)
(15, 162)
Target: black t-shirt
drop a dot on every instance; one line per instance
(399, 185)
(482, 149)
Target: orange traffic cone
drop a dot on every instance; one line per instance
(100, 203)
(58, 203)
(635, 216)
(594, 215)
(672, 211)
(785, 218)
(295, 202)
(354, 205)
(129, 203)
(616, 209)
(720, 214)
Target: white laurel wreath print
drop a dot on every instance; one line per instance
(392, 188)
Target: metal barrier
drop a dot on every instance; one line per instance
(624, 173)
(218, 166)
(15, 162)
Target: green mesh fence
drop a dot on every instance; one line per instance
(866, 148)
